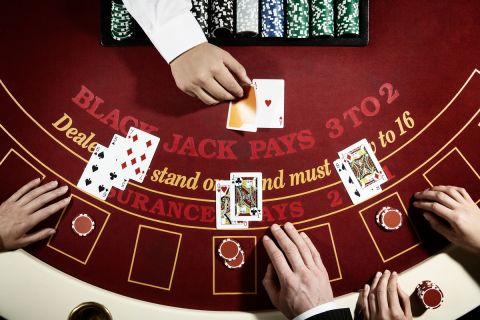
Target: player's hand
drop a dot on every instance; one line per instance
(25, 209)
(384, 300)
(296, 279)
(460, 215)
(210, 74)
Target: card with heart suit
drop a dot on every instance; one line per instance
(363, 165)
(223, 213)
(242, 114)
(97, 177)
(246, 201)
(115, 149)
(270, 96)
(137, 153)
(356, 194)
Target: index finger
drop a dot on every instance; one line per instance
(288, 247)
(227, 81)
(277, 258)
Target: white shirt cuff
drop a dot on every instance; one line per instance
(178, 35)
(317, 310)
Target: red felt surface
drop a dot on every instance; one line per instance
(157, 242)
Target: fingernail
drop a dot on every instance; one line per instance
(288, 225)
(275, 226)
(415, 203)
(52, 232)
(266, 238)
(394, 273)
(64, 188)
(303, 234)
(387, 271)
(365, 287)
(54, 183)
(67, 200)
(378, 274)
(426, 216)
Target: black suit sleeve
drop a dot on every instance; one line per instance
(335, 314)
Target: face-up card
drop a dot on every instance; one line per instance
(246, 202)
(362, 164)
(97, 177)
(115, 150)
(270, 102)
(223, 213)
(356, 194)
(138, 153)
(242, 114)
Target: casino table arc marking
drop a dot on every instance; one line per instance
(474, 73)
(391, 96)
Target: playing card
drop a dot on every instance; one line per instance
(117, 145)
(223, 213)
(246, 201)
(270, 102)
(356, 194)
(361, 163)
(97, 178)
(242, 114)
(137, 153)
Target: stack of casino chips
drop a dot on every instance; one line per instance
(347, 17)
(221, 18)
(272, 17)
(389, 218)
(200, 12)
(83, 225)
(231, 253)
(121, 22)
(247, 17)
(430, 294)
(298, 12)
(323, 18)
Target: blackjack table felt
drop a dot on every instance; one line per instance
(413, 92)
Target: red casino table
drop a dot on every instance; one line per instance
(413, 92)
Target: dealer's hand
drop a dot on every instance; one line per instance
(210, 74)
(461, 215)
(25, 209)
(296, 279)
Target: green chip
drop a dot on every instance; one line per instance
(298, 18)
(347, 18)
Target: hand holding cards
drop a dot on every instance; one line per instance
(262, 107)
(360, 171)
(239, 200)
(124, 159)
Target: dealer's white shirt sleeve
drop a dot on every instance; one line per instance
(316, 310)
(169, 24)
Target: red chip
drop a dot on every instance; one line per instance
(229, 249)
(389, 218)
(238, 262)
(430, 294)
(83, 224)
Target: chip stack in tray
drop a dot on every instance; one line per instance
(389, 218)
(200, 12)
(247, 17)
(298, 12)
(347, 17)
(121, 22)
(323, 17)
(430, 294)
(222, 12)
(272, 18)
(232, 254)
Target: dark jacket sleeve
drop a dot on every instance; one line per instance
(336, 314)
